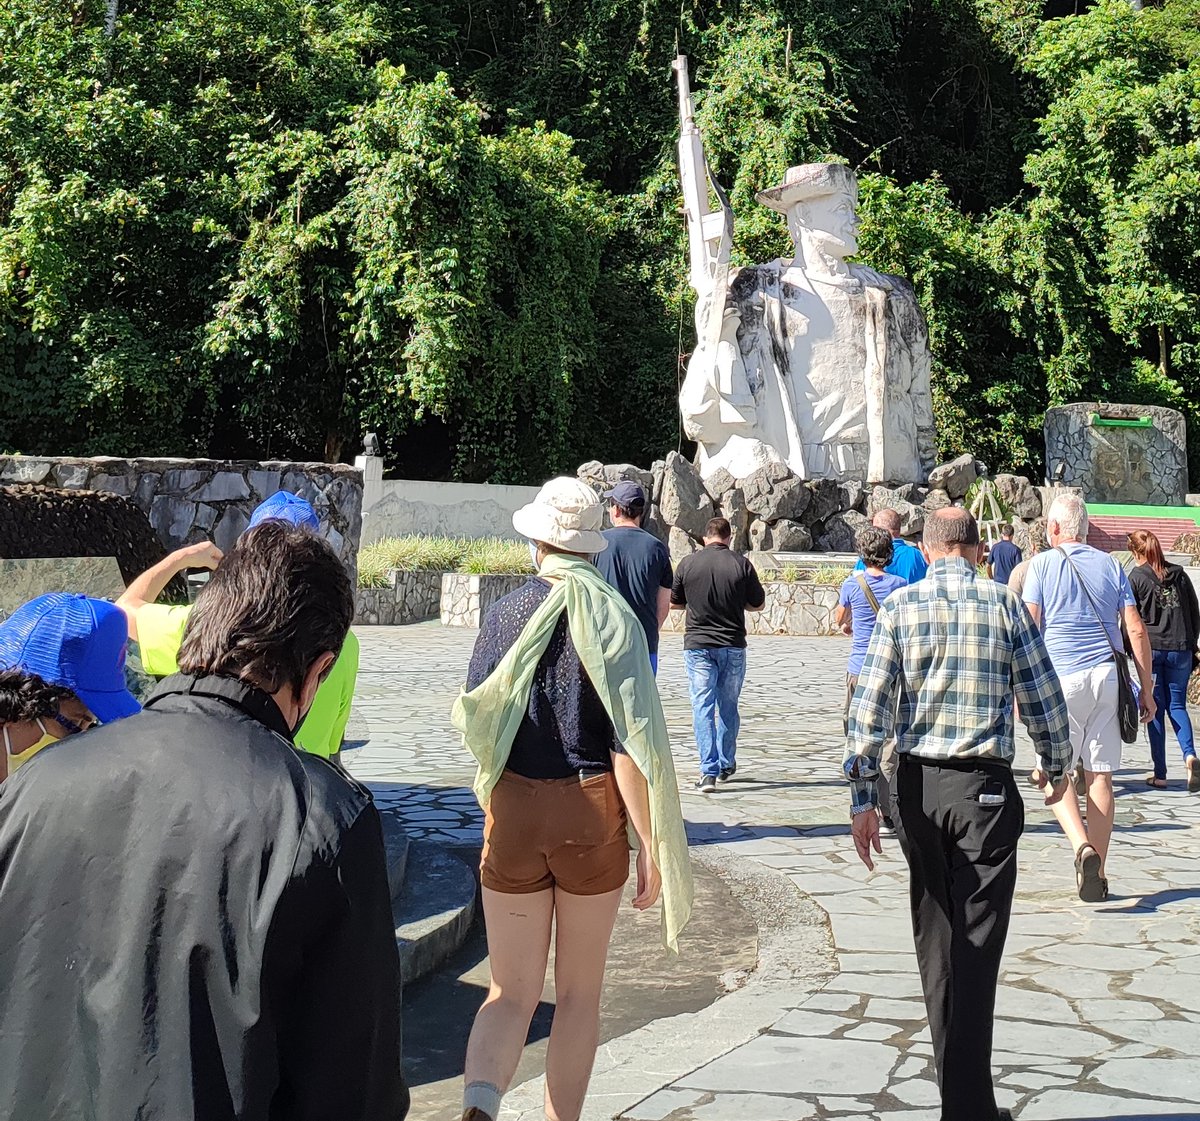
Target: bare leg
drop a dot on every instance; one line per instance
(1100, 812)
(1066, 809)
(518, 937)
(583, 928)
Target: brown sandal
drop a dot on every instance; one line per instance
(1193, 770)
(1160, 783)
(1088, 880)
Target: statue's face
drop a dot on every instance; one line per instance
(830, 222)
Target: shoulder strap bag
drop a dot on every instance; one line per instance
(1127, 706)
(862, 583)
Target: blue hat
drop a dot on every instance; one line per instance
(74, 642)
(283, 506)
(627, 494)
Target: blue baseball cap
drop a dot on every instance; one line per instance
(283, 506)
(74, 642)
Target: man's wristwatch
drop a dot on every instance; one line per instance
(856, 810)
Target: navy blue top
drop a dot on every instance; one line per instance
(1004, 556)
(566, 727)
(637, 564)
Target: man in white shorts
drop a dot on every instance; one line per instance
(1081, 648)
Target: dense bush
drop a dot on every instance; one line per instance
(259, 227)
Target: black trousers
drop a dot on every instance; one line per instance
(962, 854)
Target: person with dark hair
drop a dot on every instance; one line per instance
(1166, 601)
(563, 716)
(195, 918)
(1004, 556)
(1037, 544)
(948, 656)
(62, 670)
(907, 560)
(857, 610)
(716, 587)
(158, 628)
(637, 563)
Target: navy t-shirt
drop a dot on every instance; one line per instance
(637, 564)
(1004, 556)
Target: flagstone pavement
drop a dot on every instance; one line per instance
(1099, 1006)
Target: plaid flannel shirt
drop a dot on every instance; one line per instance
(947, 656)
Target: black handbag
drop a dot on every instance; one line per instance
(1128, 715)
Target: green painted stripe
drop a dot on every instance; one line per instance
(1115, 510)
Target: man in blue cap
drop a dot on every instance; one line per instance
(637, 563)
(62, 669)
(158, 628)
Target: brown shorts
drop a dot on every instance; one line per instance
(567, 833)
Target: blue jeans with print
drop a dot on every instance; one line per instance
(715, 679)
(1172, 668)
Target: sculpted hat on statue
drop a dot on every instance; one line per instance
(809, 181)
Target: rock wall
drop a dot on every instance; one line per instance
(189, 500)
(793, 608)
(466, 599)
(1122, 463)
(410, 597)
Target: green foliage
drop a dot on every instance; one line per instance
(259, 227)
(479, 556)
(828, 574)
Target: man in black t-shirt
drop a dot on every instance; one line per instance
(717, 587)
(637, 563)
(1004, 556)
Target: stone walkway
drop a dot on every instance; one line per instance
(1099, 1007)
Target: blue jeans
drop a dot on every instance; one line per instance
(715, 679)
(654, 662)
(1172, 669)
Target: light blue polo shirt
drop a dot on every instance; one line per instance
(1069, 625)
(908, 562)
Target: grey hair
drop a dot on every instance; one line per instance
(951, 528)
(1070, 512)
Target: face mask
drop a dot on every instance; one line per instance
(17, 758)
(533, 554)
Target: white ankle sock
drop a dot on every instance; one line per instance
(484, 1096)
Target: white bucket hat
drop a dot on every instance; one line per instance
(566, 514)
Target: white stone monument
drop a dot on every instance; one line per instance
(813, 362)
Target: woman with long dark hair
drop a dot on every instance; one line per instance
(1166, 601)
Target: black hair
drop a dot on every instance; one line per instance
(630, 513)
(718, 528)
(875, 546)
(25, 696)
(278, 601)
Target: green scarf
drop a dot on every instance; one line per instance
(612, 647)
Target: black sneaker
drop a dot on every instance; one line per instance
(725, 776)
(707, 784)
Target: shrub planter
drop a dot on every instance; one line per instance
(466, 598)
(793, 607)
(408, 597)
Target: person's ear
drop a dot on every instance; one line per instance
(317, 673)
(925, 553)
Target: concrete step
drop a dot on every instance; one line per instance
(434, 909)
(395, 847)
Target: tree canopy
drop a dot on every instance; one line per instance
(260, 227)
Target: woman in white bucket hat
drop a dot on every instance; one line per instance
(563, 716)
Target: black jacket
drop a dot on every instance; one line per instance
(1168, 607)
(195, 923)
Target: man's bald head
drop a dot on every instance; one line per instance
(888, 519)
(952, 531)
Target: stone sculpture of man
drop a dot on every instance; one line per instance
(814, 362)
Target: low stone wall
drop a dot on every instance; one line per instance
(409, 597)
(397, 507)
(189, 500)
(466, 599)
(792, 608)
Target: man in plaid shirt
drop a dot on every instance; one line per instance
(947, 658)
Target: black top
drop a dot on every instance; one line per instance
(717, 586)
(195, 924)
(1167, 607)
(566, 727)
(1004, 556)
(637, 564)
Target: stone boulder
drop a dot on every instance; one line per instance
(955, 477)
(912, 516)
(838, 533)
(936, 500)
(773, 492)
(654, 523)
(734, 508)
(685, 503)
(1018, 494)
(601, 477)
(783, 536)
(720, 482)
(828, 497)
(854, 495)
(680, 545)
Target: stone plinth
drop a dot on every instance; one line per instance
(793, 607)
(466, 598)
(408, 597)
(1134, 454)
